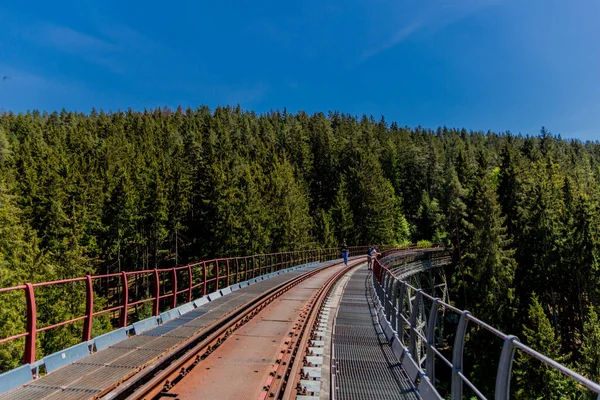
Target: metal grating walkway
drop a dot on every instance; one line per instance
(364, 366)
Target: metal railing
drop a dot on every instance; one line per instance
(122, 294)
(393, 294)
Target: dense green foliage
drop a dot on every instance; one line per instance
(133, 190)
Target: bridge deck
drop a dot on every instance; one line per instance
(90, 375)
(240, 367)
(363, 362)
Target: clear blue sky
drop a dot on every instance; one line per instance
(481, 64)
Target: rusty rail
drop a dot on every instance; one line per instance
(287, 375)
(151, 382)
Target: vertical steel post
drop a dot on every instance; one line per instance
(124, 300)
(389, 296)
(217, 272)
(89, 309)
(394, 313)
(413, 325)
(393, 304)
(174, 299)
(457, 356)
(156, 293)
(504, 368)
(386, 295)
(401, 295)
(204, 278)
(228, 271)
(191, 281)
(431, 322)
(30, 339)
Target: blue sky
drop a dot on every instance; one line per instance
(481, 64)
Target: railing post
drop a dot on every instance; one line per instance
(217, 272)
(191, 281)
(228, 272)
(156, 293)
(89, 309)
(413, 325)
(389, 295)
(124, 300)
(457, 356)
(386, 296)
(392, 316)
(237, 270)
(30, 339)
(401, 294)
(204, 274)
(174, 299)
(504, 368)
(394, 304)
(431, 323)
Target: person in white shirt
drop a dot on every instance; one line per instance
(371, 259)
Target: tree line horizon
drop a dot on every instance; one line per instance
(104, 192)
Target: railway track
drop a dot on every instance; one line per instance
(286, 379)
(158, 380)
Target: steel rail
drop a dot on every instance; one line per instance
(158, 378)
(288, 374)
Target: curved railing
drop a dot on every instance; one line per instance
(122, 295)
(394, 293)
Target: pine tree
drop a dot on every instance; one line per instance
(509, 188)
(341, 213)
(324, 231)
(488, 261)
(430, 220)
(20, 261)
(372, 201)
(292, 224)
(589, 363)
(402, 228)
(535, 380)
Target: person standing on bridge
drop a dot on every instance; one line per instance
(344, 250)
(371, 257)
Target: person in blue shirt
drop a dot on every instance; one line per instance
(344, 250)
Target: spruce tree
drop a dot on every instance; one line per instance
(534, 379)
(341, 213)
(291, 224)
(589, 363)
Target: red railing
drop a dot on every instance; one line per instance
(164, 288)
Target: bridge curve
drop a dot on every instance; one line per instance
(385, 303)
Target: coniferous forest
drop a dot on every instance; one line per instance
(107, 192)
